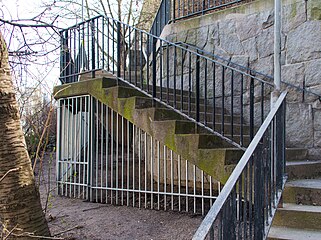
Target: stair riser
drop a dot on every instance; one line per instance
(303, 171)
(301, 195)
(297, 219)
(296, 154)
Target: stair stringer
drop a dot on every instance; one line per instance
(163, 124)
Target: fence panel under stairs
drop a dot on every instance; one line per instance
(102, 157)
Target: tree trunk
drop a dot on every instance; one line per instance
(20, 207)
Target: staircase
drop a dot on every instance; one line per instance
(299, 217)
(214, 118)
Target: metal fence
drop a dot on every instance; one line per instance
(248, 201)
(102, 157)
(188, 8)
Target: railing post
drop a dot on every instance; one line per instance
(154, 66)
(93, 64)
(258, 193)
(197, 84)
(251, 108)
(119, 49)
(173, 10)
(62, 57)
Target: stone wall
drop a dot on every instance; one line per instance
(244, 35)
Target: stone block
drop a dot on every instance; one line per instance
(250, 48)
(300, 47)
(293, 15)
(299, 125)
(317, 138)
(313, 73)
(263, 65)
(317, 120)
(231, 44)
(248, 26)
(294, 74)
(265, 43)
(314, 10)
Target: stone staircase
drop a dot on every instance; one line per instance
(209, 152)
(300, 215)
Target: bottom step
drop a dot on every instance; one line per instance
(282, 233)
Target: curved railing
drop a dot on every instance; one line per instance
(247, 203)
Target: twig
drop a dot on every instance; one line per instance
(35, 236)
(93, 208)
(11, 170)
(9, 232)
(67, 230)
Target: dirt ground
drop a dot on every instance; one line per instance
(77, 219)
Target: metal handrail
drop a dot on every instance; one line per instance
(234, 180)
(177, 14)
(189, 8)
(259, 75)
(161, 19)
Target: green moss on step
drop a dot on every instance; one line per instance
(316, 13)
(126, 107)
(170, 140)
(293, 10)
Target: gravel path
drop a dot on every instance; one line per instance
(103, 221)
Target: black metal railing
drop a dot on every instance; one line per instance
(173, 10)
(163, 16)
(221, 98)
(246, 205)
(189, 8)
(266, 77)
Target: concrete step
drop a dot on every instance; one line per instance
(303, 169)
(283, 233)
(303, 191)
(296, 154)
(298, 216)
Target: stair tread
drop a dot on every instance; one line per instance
(300, 208)
(293, 233)
(292, 163)
(305, 183)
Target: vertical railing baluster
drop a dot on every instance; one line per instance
(135, 57)
(154, 77)
(241, 114)
(251, 108)
(167, 71)
(147, 65)
(93, 47)
(182, 80)
(124, 51)
(189, 82)
(214, 94)
(223, 100)
(119, 49)
(205, 92)
(232, 104)
(174, 76)
(141, 65)
(197, 85)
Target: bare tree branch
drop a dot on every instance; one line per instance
(10, 171)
